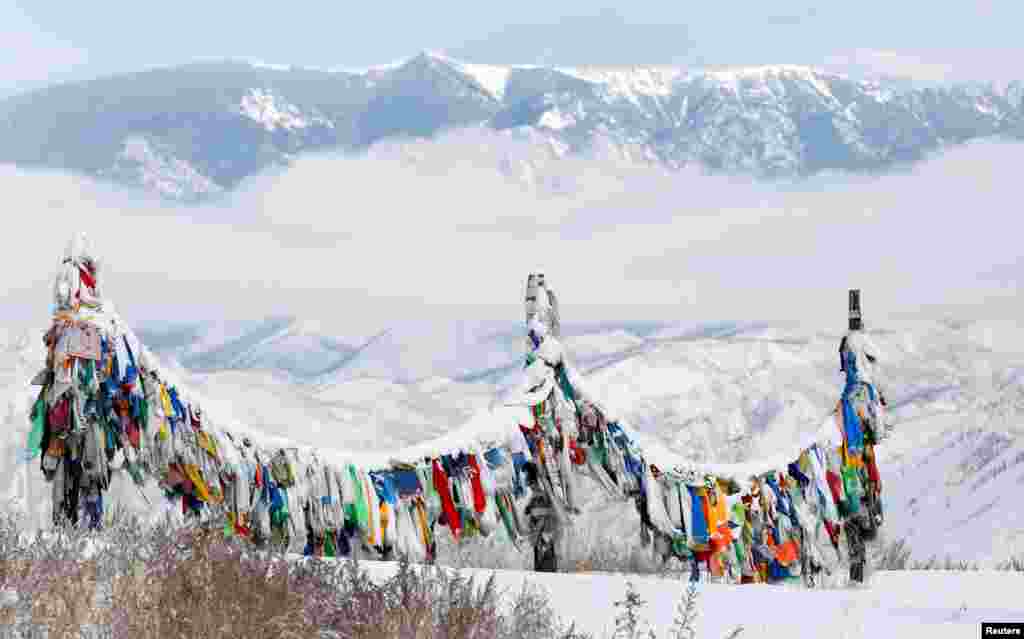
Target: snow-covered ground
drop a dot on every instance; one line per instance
(893, 605)
(952, 470)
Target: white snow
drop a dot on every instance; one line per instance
(894, 605)
(732, 77)
(490, 77)
(730, 74)
(556, 120)
(142, 163)
(984, 106)
(601, 344)
(273, 112)
(629, 82)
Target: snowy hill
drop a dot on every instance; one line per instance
(404, 384)
(720, 393)
(401, 350)
(194, 131)
(723, 393)
(279, 344)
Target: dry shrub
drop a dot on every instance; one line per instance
(139, 581)
(895, 556)
(160, 582)
(417, 603)
(69, 597)
(203, 585)
(49, 580)
(1013, 564)
(587, 554)
(422, 603)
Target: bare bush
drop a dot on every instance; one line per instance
(894, 556)
(686, 615)
(610, 555)
(202, 585)
(166, 581)
(50, 579)
(947, 563)
(492, 553)
(436, 603)
(1013, 564)
(532, 615)
(897, 556)
(630, 624)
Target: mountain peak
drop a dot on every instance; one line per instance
(765, 70)
(491, 78)
(797, 120)
(432, 58)
(735, 76)
(436, 56)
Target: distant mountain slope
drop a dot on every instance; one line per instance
(276, 344)
(197, 130)
(403, 350)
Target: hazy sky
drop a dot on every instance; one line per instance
(48, 41)
(452, 237)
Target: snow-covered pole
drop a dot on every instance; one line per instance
(542, 305)
(78, 277)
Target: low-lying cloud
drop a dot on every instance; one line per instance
(450, 228)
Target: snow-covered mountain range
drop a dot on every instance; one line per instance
(709, 393)
(197, 130)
